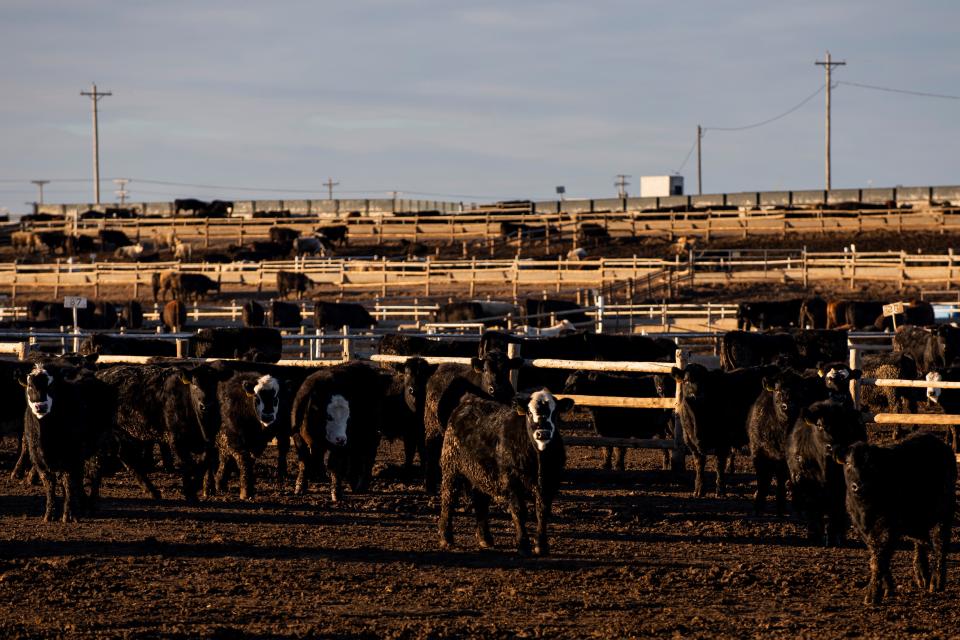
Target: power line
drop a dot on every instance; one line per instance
(686, 157)
(773, 119)
(905, 91)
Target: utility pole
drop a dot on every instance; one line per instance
(621, 185)
(828, 65)
(95, 97)
(699, 163)
(330, 185)
(40, 184)
(121, 189)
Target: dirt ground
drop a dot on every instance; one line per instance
(634, 556)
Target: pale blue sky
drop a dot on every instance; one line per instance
(494, 100)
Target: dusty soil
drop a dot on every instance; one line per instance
(634, 556)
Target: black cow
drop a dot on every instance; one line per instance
(249, 404)
(334, 233)
(768, 315)
(404, 402)
(292, 281)
(285, 314)
(194, 286)
(399, 344)
(256, 344)
(823, 429)
(103, 344)
(12, 409)
(815, 346)
(856, 314)
(505, 452)
(538, 312)
(931, 348)
(284, 236)
(172, 406)
(740, 349)
(253, 314)
(915, 312)
(491, 313)
(79, 244)
(338, 410)
(593, 234)
(333, 315)
(713, 412)
(769, 424)
(203, 209)
(613, 422)
(111, 239)
(907, 490)
(131, 315)
(53, 240)
(488, 377)
(813, 313)
(67, 418)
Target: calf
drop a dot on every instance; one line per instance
(903, 491)
(65, 423)
(404, 403)
(504, 452)
(291, 281)
(823, 429)
(769, 423)
(488, 377)
(338, 411)
(713, 413)
(249, 404)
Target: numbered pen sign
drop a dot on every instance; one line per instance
(74, 302)
(892, 309)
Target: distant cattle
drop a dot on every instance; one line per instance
(102, 344)
(853, 314)
(283, 235)
(931, 348)
(510, 230)
(285, 314)
(592, 234)
(184, 286)
(293, 282)
(333, 315)
(256, 344)
(813, 313)
(131, 315)
(111, 239)
(745, 349)
(895, 366)
(908, 491)
(253, 314)
(203, 209)
(915, 312)
(182, 251)
(334, 233)
(768, 315)
(713, 412)
(142, 251)
(507, 453)
(399, 344)
(80, 245)
(311, 245)
(815, 346)
(403, 404)
(96, 315)
(544, 313)
(173, 317)
(490, 313)
(24, 241)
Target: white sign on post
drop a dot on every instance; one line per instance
(892, 309)
(74, 302)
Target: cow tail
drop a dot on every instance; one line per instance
(725, 355)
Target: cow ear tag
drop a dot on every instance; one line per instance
(184, 379)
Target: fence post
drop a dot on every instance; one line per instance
(426, 281)
(347, 343)
(513, 351)
(473, 276)
(855, 384)
(803, 257)
(903, 268)
(599, 327)
(678, 462)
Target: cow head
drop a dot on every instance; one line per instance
(265, 393)
(933, 393)
(39, 389)
(835, 425)
(494, 369)
(202, 381)
(787, 392)
(836, 376)
(542, 411)
(861, 472)
(337, 417)
(416, 372)
(693, 381)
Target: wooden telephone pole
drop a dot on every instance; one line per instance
(95, 97)
(828, 65)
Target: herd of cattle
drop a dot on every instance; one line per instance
(476, 435)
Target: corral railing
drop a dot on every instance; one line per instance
(468, 276)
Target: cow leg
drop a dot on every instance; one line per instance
(448, 503)
(543, 506)
(941, 544)
(222, 477)
(190, 473)
(762, 467)
(621, 459)
(303, 482)
(607, 458)
(49, 481)
(722, 472)
(699, 465)
(432, 465)
(131, 462)
(22, 461)
(880, 553)
(208, 463)
(921, 566)
(781, 475)
(410, 449)
(72, 489)
(518, 513)
(481, 508)
(166, 457)
(245, 469)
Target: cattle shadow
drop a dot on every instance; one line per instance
(458, 558)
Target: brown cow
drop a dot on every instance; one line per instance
(174, 316)
(836, 313)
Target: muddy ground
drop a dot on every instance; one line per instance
(634, 556)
